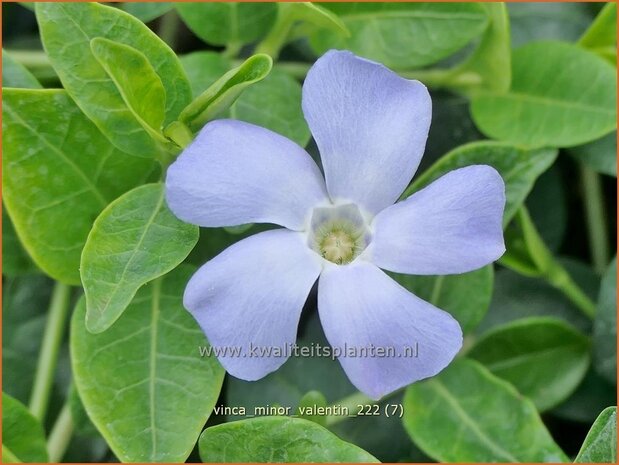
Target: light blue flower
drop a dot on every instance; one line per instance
(371, 127)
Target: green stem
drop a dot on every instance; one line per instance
(48, 356)
(232, 49)
(596, 219)
(558, 277)
(279, 33)
(60, 436)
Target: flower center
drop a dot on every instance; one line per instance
(339, 234)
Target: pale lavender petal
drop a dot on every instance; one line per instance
(235, 173)
(452, 226)
(370, 125)
(251, 295)
(361, 307)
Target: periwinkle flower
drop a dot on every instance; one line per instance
(371, 127)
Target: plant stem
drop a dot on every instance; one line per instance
(596, 219)
(558, 277)
(48, 355)
(279, 33)
(60, 436)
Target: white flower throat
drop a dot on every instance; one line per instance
(339, 234)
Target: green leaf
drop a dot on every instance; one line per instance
(133, 241)
(15, 260)
(561, 96)
(532, 21)
(592, 396)
(24, 306)
(276, 439)
(466, 414)
(519, 169)
(544, 358)
(136, 80)
(378, 30)
(147, 11)
(273, 103)
(465, 296)
(605, 326)
(600, 445)
(221, 94)
(541, 299)
(311, 17)
(16, 75)
(57, 165)
(599, 155)
(311, 401)
(228, 22)
(81, 423)
(603, 32)
(143, 382)
(23, 439)
(66, 32)
(489, 66)
(547, 205)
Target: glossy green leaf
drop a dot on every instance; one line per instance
(519, 169)
(143, 382)
(15, 260)
(137, 81)
(273, 103)
(466, 414)
(223, 92)
(66, 32)
(133, 241)
(379, 30)
(23, 438)
(599, 155)
(57, 165)
(600, 445)
(605, 326)
(544, 358)
(16, 75)
(276, 439)
(601, 37)
(533, 21)
(228, 22)
(311, 17)
(561, 96)
(147, 11)
(465, 296)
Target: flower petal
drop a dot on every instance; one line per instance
(452, 226)
(235, 173)
(362, 307)
(370, 125)
(251, 295)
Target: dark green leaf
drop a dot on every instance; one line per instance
(605, 326)
(547, 205)
(561, 96)
(66, 32)
(23, 438)
(599, 155)
(276, 439)
(466, 414)
(143, 381)
(16, 75)
(15, 260)
(465, 296)
(600, 445)
(519, 169)
(544, 358)
(133, 241)
(57, 165)
(228, 22)
(379, 30)
(147, 11)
